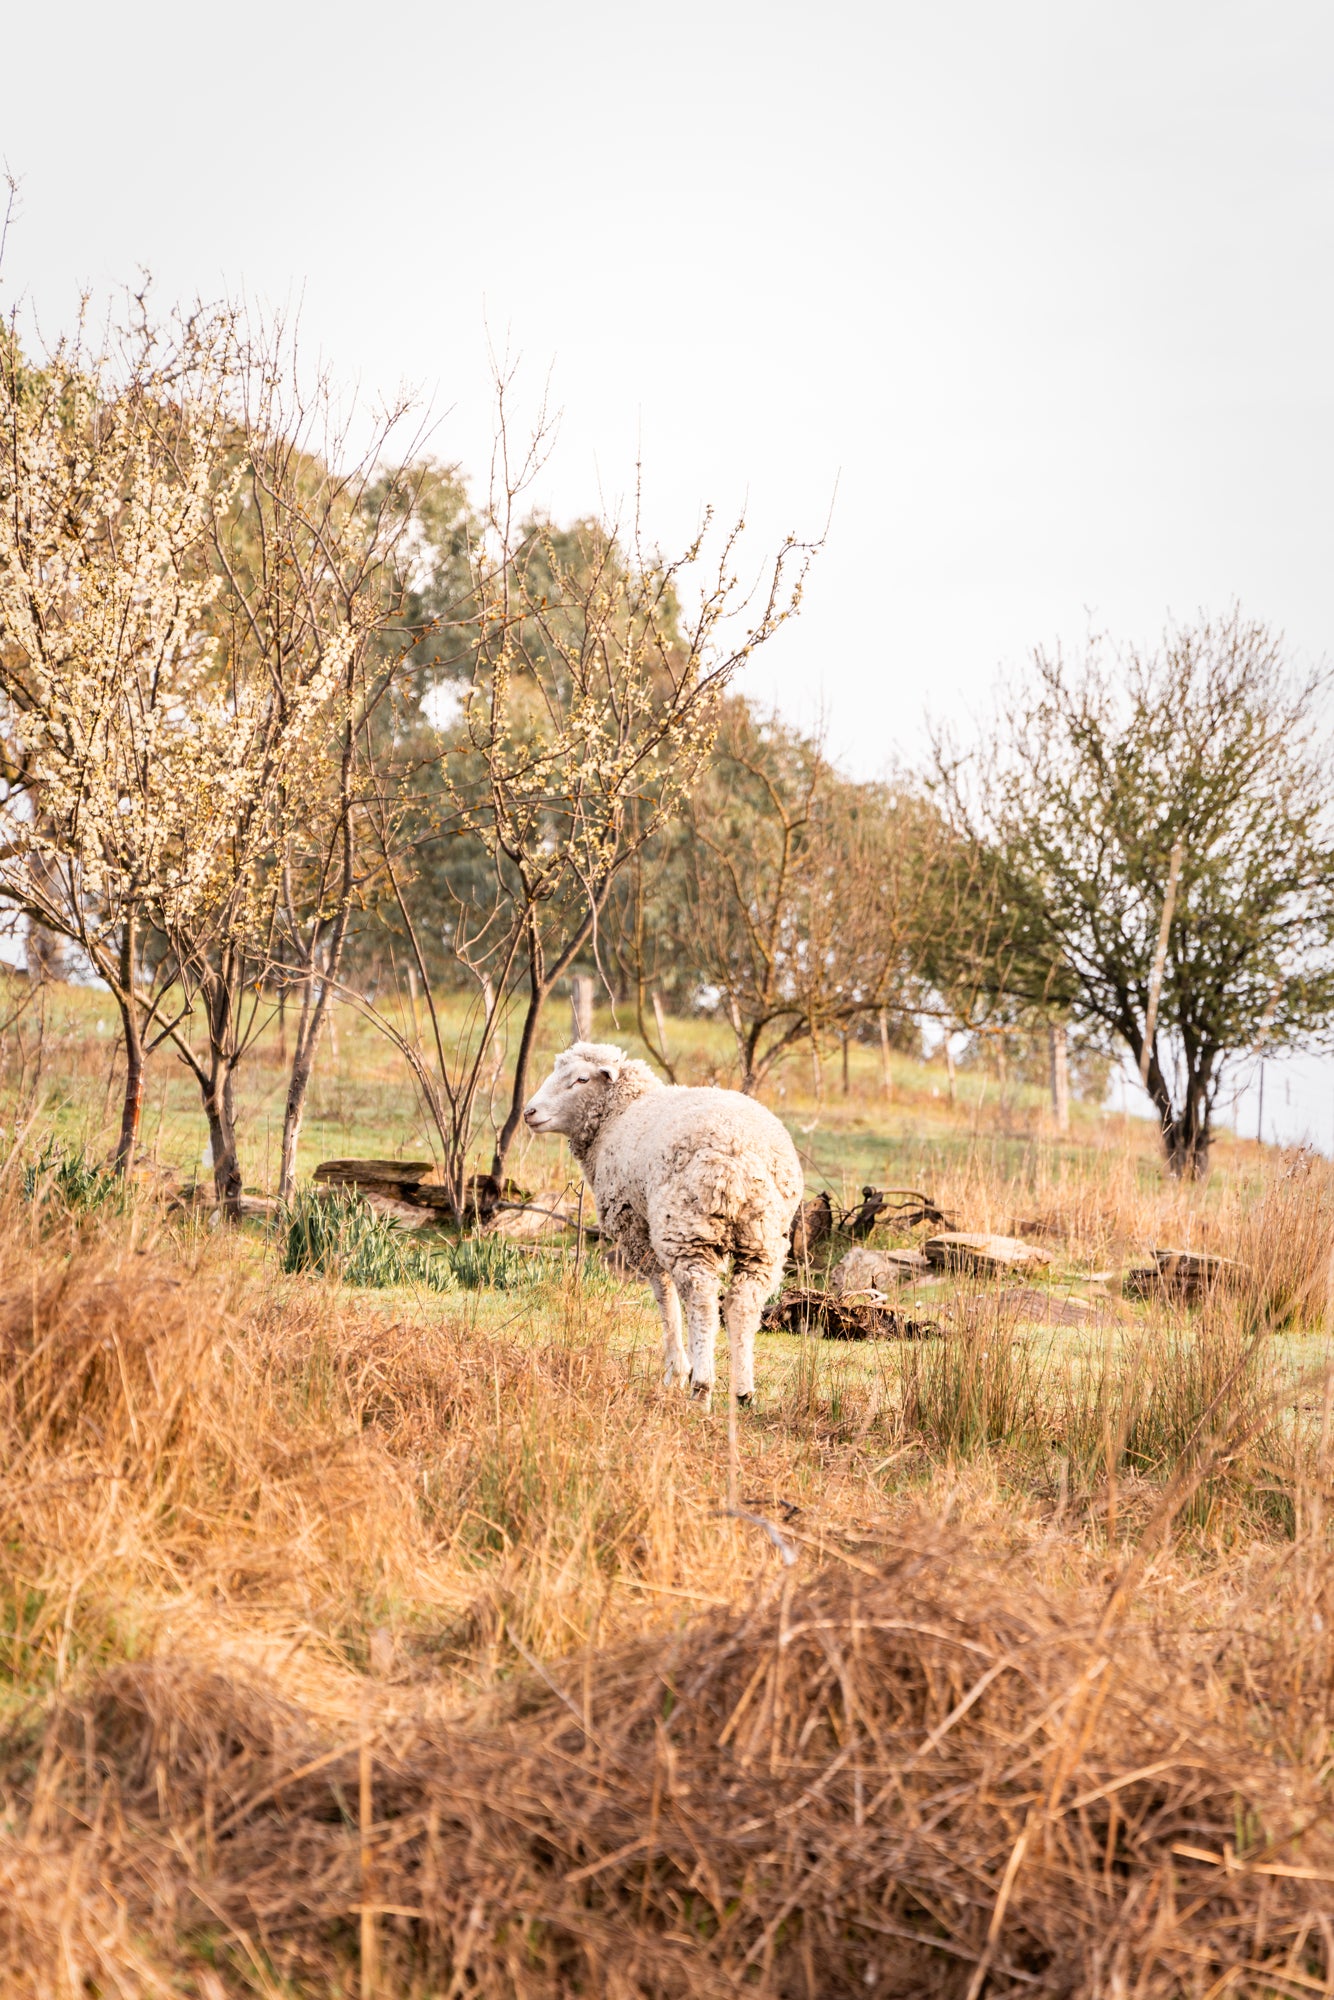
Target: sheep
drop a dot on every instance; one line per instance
(683, 1179)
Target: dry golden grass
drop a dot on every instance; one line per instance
(395, 1645)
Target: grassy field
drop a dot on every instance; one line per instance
(993, 1136)
(400, 1641)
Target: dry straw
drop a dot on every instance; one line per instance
(402, 1645)
(902, 1777)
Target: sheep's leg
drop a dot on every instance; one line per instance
(741, 1314)
(676, 1365)
(698, 1286)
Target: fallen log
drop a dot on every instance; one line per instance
(843, 1316)
(811, 1226)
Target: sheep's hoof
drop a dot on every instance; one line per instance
(701, 1392)
(675, 1378)
(743, 1402)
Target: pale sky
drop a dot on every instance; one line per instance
(1044, 289)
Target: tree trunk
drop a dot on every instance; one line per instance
(221, 989)
(298, 1084)
(537, 993)
(133, 1105)
(219, 1109)
(303, 1060)
(747, 1046)
(1188, 1133)
(541, 980)
(221, 1003)
(1188, 1150)
(132, 1108)
(312, 1019)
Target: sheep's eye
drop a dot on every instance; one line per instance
(583, 1078)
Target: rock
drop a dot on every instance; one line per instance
(402, 1181)
(407, 1215)
(866, 1270)
(193, 1194)
(405, 1181)
(1181, 1274)
(1033, 1308)
(256, 1208)
(984, 1255)
(548, 1217)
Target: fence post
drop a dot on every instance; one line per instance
(581, 1006)
(1060, 1075)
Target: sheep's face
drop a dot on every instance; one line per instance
(568, 1100)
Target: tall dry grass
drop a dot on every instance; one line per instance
(402, 1643)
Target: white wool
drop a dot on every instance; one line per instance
(685, 1180)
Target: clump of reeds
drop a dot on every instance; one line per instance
(63, 1180)
(980, 1386)
(489, 1263)
(1284, 1243)
(336, 1233)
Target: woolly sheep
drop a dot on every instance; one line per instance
(683, 1179)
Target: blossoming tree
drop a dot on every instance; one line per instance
(120, 750)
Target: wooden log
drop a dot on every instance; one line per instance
(862, 1317)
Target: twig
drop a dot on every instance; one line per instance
(787, 1553)
(365, 1817)
(1159, 961)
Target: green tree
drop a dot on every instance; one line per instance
(1065, 819)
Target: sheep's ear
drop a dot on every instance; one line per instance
(611, 1070)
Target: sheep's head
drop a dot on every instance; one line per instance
(572, 1098)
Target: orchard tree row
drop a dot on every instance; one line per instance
(290, 715)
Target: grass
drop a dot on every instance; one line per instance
(341, 1566)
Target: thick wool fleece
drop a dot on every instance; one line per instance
(685, 1179)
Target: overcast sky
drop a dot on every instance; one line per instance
(1043, 291)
